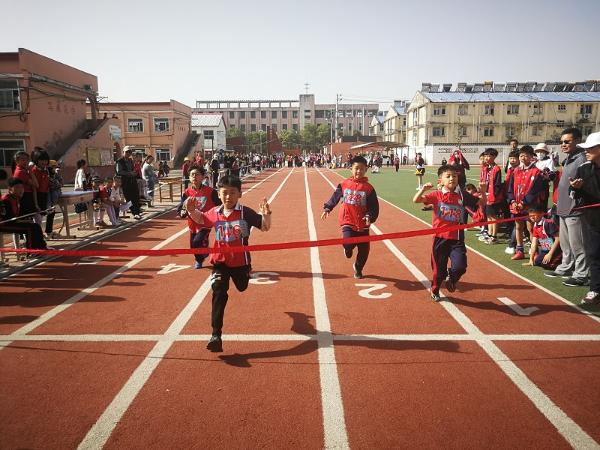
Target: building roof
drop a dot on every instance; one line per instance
(490, 97)
(206, 120)
(401, 110)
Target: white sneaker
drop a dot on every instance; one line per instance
(509, 250)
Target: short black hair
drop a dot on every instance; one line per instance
(447, 168)
(12, 181)
(573, 131)
(536, 208)
(358, 160)
(514, 154)
(490, 151)
(528, 149)
(470, 186)
(514, 140)
(230, 181)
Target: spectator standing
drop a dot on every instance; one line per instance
(574, 266)
(39, 170)
(125, 170)
(54, 192)
(28, 200)
(586, 187)
(185, 172)
(149, 177)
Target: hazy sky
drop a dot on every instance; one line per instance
(373, 50)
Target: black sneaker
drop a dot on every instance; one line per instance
(215, 344)
(575, 282)
(450, 285)
(357, 273)
(348, 252)
(435, 297)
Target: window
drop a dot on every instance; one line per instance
(263, 127)
(488, 110)
(284, 114)
(161, 124)
(294, 114)
(242, 114)
(538, 109)
(253, 114)
(135, 125)
(209, 135)
(462, 131)
(9, 95)
(340, 113)
(8, 150)
(231, 114)
(273, 114)
(349, 128)
(586, 109)
(439, 110)
(512, 109)
(536, 131)
(587, 131)
(163, 154)
(319, 114)
(243, 128)
(295, 127)
(307, 114)
(562, 108)
(274, 127)
(349, 113)
(488, 131)
(439, 131)
(253, 127)
(284, 126)
(263, 114)
(463, 110)
(510, 131)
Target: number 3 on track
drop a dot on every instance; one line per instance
(263, 277)
(367, 293)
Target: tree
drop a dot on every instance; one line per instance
(256, 141)
(235, 132)
(290, 139)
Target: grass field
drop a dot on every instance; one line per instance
(399, 189)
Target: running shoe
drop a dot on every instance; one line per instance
(518, 255)
(435, 297)
(450, 284)
(215, 344)
(574, 282)
(509, 250)
(357, 273)
(591, 298)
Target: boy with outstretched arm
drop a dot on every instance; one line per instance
(360, 208)
(206, 199)
(450, 205)
(232, 223)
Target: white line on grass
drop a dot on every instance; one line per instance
(334, 423)
(566, 426)
(99, 434)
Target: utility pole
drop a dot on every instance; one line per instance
(338, 98)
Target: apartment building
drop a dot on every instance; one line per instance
(160, 129)
(480, 115)
(279, 115)
(394, 122)
(376, 125)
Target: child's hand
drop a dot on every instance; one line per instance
(324, 215)
(528, 263)
(264, 207)
(367, 220)
(426, 187)
(483, 187)
(576, 183)
(190, 204)
(547, 258)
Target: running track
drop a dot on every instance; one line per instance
(109, 353)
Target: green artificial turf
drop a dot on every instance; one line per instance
(399, 189)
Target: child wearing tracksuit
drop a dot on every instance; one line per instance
(206, 199)
(450, 205)
(360, 208)
(232, 223)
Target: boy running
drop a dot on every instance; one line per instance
(232, 223)
(360, 208)
(450, 205)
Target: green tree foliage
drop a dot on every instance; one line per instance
(235, 132)
(314, 138)
(290, 139)
(256, 141)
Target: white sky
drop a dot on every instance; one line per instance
(150, 50)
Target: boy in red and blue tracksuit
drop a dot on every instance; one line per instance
(360, 208)
(491, 175)
(450, 205)
(525, 190)
(232, 223)
(206, 199)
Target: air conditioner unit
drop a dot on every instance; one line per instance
(586, 116)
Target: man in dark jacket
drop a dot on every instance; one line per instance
(125, 170)
(586, 188)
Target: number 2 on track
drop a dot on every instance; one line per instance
(263, 277)
(367, 293)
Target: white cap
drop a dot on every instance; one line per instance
(591, 141)
(541, 147)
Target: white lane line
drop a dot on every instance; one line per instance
(99, 434)
(334, 423)
(106, 423)
(85, 292)
(566, 426)
(296, 337)
(518, 309)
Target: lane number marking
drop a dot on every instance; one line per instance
(263, 277)
(521, 311)
(367, 293)
(171, 267)
(89, 260)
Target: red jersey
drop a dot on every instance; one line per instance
(450, 208)
(358, 199)
(12, 206)
(525, 187)
(492, 175)
(231, 231)
(206, 199)
(25, 175)
(43, 178)
(546, 232)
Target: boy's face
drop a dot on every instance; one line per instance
(514, 162)
(535, 216)
(489, 159)
(22, 161)
(229, 196)
(449, 179)
(43, 163)
(195, 178)
(17, 190)
(525, 159)
(358, 170)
